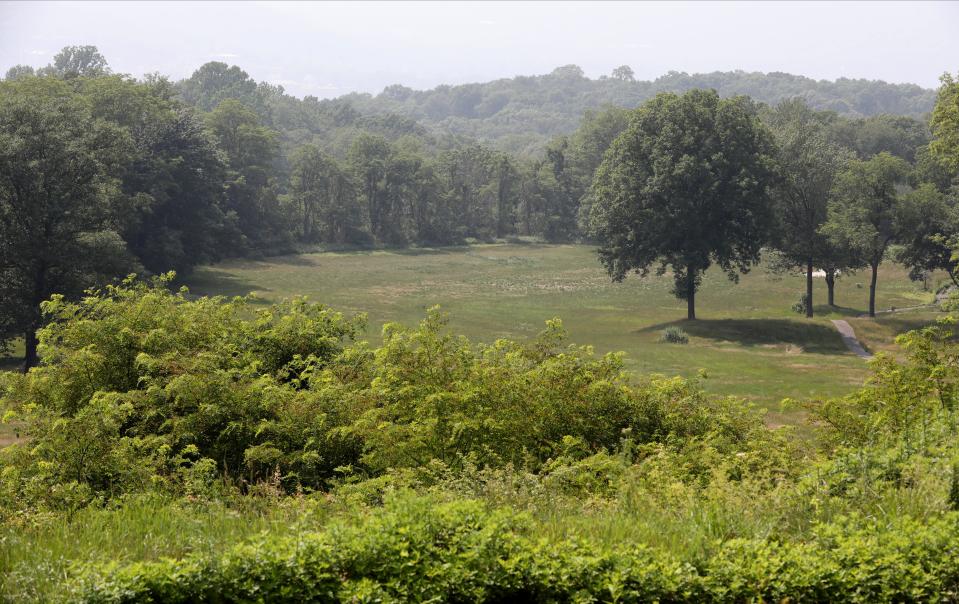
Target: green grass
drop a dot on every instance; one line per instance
(36, 559)
(748, 339)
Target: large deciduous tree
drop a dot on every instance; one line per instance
(77, 61)
(685, 186)
(809, 163)
(57, 166)
(368, 159)
(624, 73)
(867, 212)
(173, 177)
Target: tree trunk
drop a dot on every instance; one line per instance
(831, 285)
(872, 289)
(30, 358)
(809, 288)
(690, 293)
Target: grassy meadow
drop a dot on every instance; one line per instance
(747, 339)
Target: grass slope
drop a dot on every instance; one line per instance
(747, 339)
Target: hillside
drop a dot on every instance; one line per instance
(520, 114)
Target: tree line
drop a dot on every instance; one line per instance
(103, 174)
(696, 180)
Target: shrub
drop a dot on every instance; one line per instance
(801, 305)
(674, 335)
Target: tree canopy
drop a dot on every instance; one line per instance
(868, 212)
(808, 163)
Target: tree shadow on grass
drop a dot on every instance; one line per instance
(11, 363)
(291, 260)
(811, 337)
(825, 309)
(428, 251)
(222, 283)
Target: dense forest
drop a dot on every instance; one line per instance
(233, 452)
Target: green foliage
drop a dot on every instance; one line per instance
(913, 401)
(639, 490)
(901, 136)
(456, 471)
(802, 306)
(220, 165)
(171, 211)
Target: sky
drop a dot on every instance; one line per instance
(330, 49)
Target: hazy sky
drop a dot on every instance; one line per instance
(328, 49)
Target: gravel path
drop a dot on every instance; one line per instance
(849, 338)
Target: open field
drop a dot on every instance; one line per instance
(747, 339)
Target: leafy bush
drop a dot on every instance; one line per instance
(802, 305)
(674, 335)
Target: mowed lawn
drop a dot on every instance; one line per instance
(747, 339)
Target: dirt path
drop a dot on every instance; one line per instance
(849, 339)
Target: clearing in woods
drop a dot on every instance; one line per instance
(748, 339)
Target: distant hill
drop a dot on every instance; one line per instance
(520, 114)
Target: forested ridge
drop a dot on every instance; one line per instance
(523, 113)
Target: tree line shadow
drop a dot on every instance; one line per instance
(815, 338)
(825, 309)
